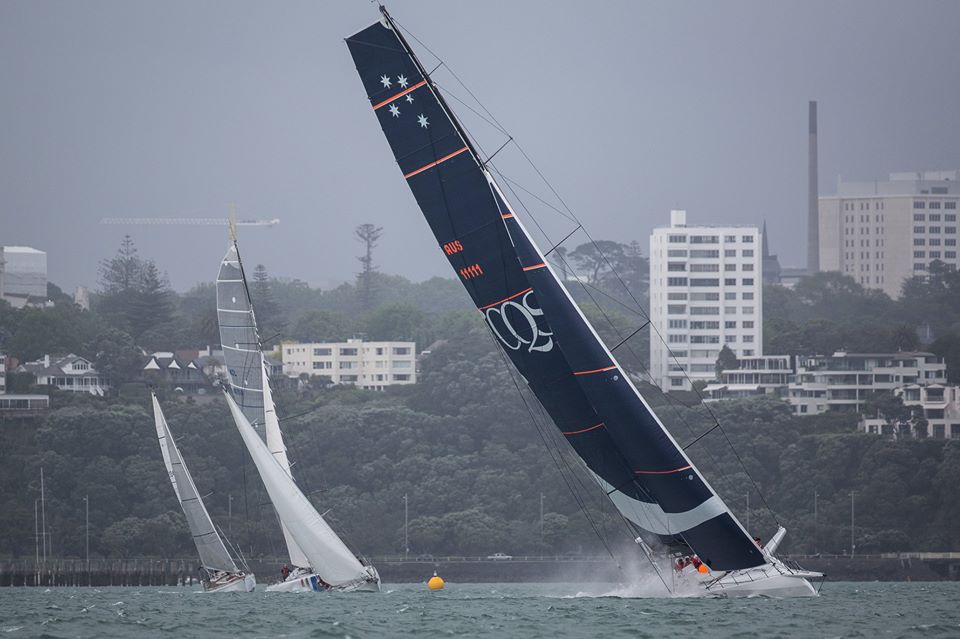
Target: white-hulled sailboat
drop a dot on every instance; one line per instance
(321, 566)
(220, 571)
(586, 392)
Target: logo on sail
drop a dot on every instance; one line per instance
(515, 325)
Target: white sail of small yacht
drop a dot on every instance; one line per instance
(222, 573)
(335, 566)
(250, 389)
(247, 370)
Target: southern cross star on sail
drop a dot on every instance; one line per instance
(394, 111)
(422, 119)
(385, 80)
(402, 81)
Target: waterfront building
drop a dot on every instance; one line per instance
(936, 413)
(754, 376)
(370, 365)
(180, 371)
(842, 381)
(706, 291)
(70, 373)
(884, 232)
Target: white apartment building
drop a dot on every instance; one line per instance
(370, 365)
(706, 290)
(23, 275)
(937, 404)
(842, 381)
(881, 233)
(764, 375)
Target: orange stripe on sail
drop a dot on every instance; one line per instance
(434, 163)
(507, 216)
(535, 266)
(506, 299)
(583, 430)
(596, 370)
(660, 472)
(399, 95)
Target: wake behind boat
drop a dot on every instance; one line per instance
(575, 377)
(219, 571)
(252, 396)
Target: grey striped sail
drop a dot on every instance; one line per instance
(580, 384)
(213, 553)
(247, 370)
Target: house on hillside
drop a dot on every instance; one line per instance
(179, 370)
(70, 373)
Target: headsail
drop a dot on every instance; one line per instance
(247, 368)
(574, 376)
(213, 553)
(326, 552)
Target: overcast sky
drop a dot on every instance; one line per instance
(126, 108)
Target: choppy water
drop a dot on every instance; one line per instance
(478, 610)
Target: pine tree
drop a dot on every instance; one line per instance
(368, 234)
(265, 307)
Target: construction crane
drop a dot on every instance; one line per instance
(196, 221)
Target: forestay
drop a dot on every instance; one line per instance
(247, 368)
(329, 557)
(573, 375)
(213, 553)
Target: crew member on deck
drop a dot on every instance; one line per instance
(285, 572)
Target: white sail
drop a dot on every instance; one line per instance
(213, 553)
(279, 451)
(247, 369)
(329, 557)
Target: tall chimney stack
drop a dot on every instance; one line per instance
(813, 194)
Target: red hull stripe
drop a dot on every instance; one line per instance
(596, 370)
(660, 472)
(506, 299)
(400, 95)
(433, 164)
(583, 430)
(535, 266)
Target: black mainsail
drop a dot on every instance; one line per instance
(556, 350)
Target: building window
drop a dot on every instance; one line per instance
(676, 309)
(949, 242)
(748, 310)
(704, 239)
(704, 325)
(933, 205)
(676, 339)
(676, 266)
(346, 365)
(705, 253)
(401, 350)
(919, 254)
(949, 205)
(401, 377)
(933, 229)
(704, 297)
(748, 239)
(730, 339)
(676, 281)
(919, 267)
(678, 239)
(950, 255)
(729, 238)
(919, 205)
(748, 252)
(934, 241)
(677, 253)
(704, 310)
(729, 267)
(748, 281)
(675, 381)
(729, 296)
(348, 352)
(934, 255)
(748, 296)
(919, 241)
(748, 324)
(729, 282)
(748, 267)
(704, 268)
(732, 324)
(322, 352)
(919, 217)
(676, 296)
(704, 281)
(677, 323)
(918, 229)
(934, 217)
(730, 252)
(950, 230)
(403, 363)
(748, 339)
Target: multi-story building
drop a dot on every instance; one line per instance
(706, 291)
(882, 233)
(24, 275)
(371, 365)
(936, 409)
(765, 375)
(70, 373)
(3, 373)
(842, 381)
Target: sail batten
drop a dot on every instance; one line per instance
(213, 553)
(574, 376)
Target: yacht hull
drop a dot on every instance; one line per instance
(233, 582)
(313, 583)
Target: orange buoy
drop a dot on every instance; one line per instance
(436, 582)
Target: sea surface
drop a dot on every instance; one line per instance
(479, 610)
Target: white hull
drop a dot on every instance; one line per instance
(233, 582)
(769, 580)
(311, 582)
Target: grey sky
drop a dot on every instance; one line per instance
(127, 108)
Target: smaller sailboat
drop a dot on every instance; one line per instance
(333, 565)
(219, 571)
